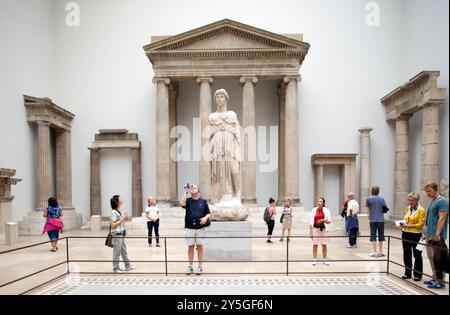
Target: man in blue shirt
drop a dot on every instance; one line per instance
(197, 215)
(436, 232)
(375, 204)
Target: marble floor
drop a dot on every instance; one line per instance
(89, 266)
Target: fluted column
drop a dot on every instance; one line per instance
(364, 167)
(44, 167)
(162, 140)
(205, 109)
(136, 179)
(249, 138)
(401, 183)
(173, 99)
(291, 139)
(96, 206)
(430, 146)
(281, 142)
(64, 168)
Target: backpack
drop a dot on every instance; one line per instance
(266, 215)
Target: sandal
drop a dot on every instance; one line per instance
(53, 250)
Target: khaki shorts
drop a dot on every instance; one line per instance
(320, 237)
(195, 236)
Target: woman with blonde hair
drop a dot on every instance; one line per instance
(286, 219)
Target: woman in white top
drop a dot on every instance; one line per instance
(286, 219)
(318, 226)
(152, 215)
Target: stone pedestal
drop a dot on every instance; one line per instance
(11, 233)
(228, 248)
(96, 223)
(34, 222)
(228, 213)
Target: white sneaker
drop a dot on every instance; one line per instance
(129, 268)
(380, 254)
(118, 270)
(189, 270)
(199, 270)
(314, 262)
(326, 263)
(373, 255)
(348, 246)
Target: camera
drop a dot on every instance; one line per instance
(187, 186)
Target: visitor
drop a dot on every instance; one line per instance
(375, 205)
(412, 232)
(286, 219)
(118, 216)
(195, 222)
(318, 227)
(272, 212)
(152, 215)
(53, 223)
(436, 233)
(352, 223)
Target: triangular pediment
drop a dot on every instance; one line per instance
(225, 35)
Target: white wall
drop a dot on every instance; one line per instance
(27, 66)
(426, 47)
(104, 78)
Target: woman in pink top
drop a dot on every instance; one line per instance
(271, 223)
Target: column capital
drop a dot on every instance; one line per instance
(210, 80)
(432, 103)
(365, 130)
(296, 78)
(404, 117)
(156, 80)
(43, 123)
(250, 78)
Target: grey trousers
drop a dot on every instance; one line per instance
(120, 248)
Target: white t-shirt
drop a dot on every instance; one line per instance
(354, 206)
(152, 212)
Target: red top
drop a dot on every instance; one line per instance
(319, 215)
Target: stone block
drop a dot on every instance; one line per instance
(11, 233)
(96, 223)
(228, 248)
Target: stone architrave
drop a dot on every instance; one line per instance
(419, 93)
(6, 181)
(116, 139)
(226, 50)
(347, 163)
(364, 166)
(49, 116)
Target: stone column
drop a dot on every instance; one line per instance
(162, 141)
(318, 183)
(291, 139)
(136, 179)
(249, 138)
(96, 208)
(173, 98)
(63, 168)
(205, 109)
(281, 143)
(430, 147)
(364, 167)
(44, 166)
(401, 183)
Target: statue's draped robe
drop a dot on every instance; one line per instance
(224, 144)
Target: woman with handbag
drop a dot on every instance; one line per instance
(118, 234)
(286, 219)
(318, 227)
(53, 224)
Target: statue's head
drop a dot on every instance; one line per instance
(221, 97)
